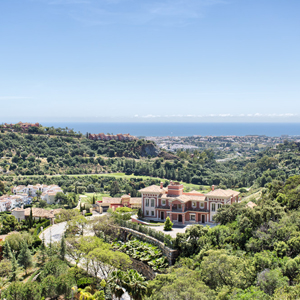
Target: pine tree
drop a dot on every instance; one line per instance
(42, 253)
(62, 248)
(24, 258)
(7, 251)
(14, 268)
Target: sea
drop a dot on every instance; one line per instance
(184, 129)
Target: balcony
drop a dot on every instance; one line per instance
(196, 209)
(163, 207)
(179, 210)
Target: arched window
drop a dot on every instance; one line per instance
(147, 202)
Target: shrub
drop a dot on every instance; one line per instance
(168, 225)
(88, 214)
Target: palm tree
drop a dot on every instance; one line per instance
(117, 282)
(135, 285)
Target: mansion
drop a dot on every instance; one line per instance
(158, 203)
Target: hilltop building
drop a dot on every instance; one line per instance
(158, 203)
(24, 126)
(109, 137)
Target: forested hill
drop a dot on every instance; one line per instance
(29, 154)
(26, 154)
(277, 163)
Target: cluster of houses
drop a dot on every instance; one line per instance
(24, 126)
(23, 194)
(114, 203)
(108, 137)
(158, 203)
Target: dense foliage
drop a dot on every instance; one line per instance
(253, 254)
(144, 252)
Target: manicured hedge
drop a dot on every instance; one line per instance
(38, 227)
(165, 238)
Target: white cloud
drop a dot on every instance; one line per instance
(256, 115)
(162, 12)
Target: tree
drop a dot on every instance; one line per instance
(2, 187)
(115, 188)
(9, 224)
(76, 226)
(219, 268)
(62, 248)
(5, 267)
(20, 291)
(168, 224)
(24, 257)
(14, 268)
(117, 282)
(7, 251)
(135, 285)
(140, 213)
(38, 194)
(175, 286)
(270, 280)
(42, 253)
(105, 261)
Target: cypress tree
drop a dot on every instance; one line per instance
(14, 268)
(7, 251)
(62, 248)
(24, 258)
(30, 218)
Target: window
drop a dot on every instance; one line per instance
(193, 204)
(213, 207)
(152, 202)
(219, 205)
(147, 202)
(147, 212)
(152, 213)
(178, 206)
(193, 217)
(201, 204)
(163, 202)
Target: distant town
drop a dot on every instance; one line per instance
(224, 146)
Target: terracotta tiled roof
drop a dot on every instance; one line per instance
(107, 200)
(184, 198)
(18, 209)
(135, 200)
(40, 212)
(152, 189)
(222, 193)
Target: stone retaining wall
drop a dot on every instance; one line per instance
(144, 269)
(170, 254)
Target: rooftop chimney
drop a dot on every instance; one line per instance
(161, 185)
(212, 187)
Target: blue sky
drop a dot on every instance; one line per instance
(161, 60)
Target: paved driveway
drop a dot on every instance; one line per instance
(56, 231)
(178, 229)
